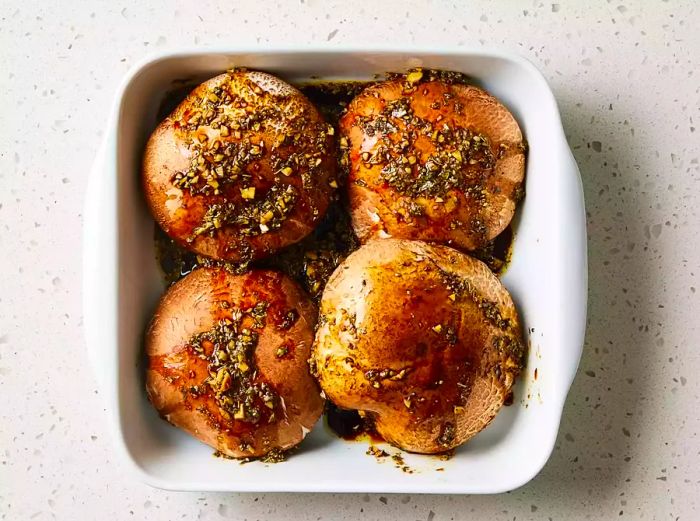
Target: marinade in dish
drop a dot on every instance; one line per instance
(312, 260)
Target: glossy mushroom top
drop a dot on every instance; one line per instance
(242, 167)
(227, 360)
(432, 158)
(423, 338)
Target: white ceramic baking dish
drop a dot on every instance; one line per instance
(547, 278)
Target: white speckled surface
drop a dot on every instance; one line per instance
(627, 77)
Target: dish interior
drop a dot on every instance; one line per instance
(509, 451)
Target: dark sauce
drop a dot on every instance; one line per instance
(179, 91)
(332, 97)
(311, 261)
(346, 424)
(508, 400)
(349, 425)
(497, 253)
(174, 261)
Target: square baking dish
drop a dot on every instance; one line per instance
(547, 278)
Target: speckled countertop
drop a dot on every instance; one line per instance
(627, 77)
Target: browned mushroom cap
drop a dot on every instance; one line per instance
(227, 361)
(434, 160)
(423, 338)
(241, 168)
